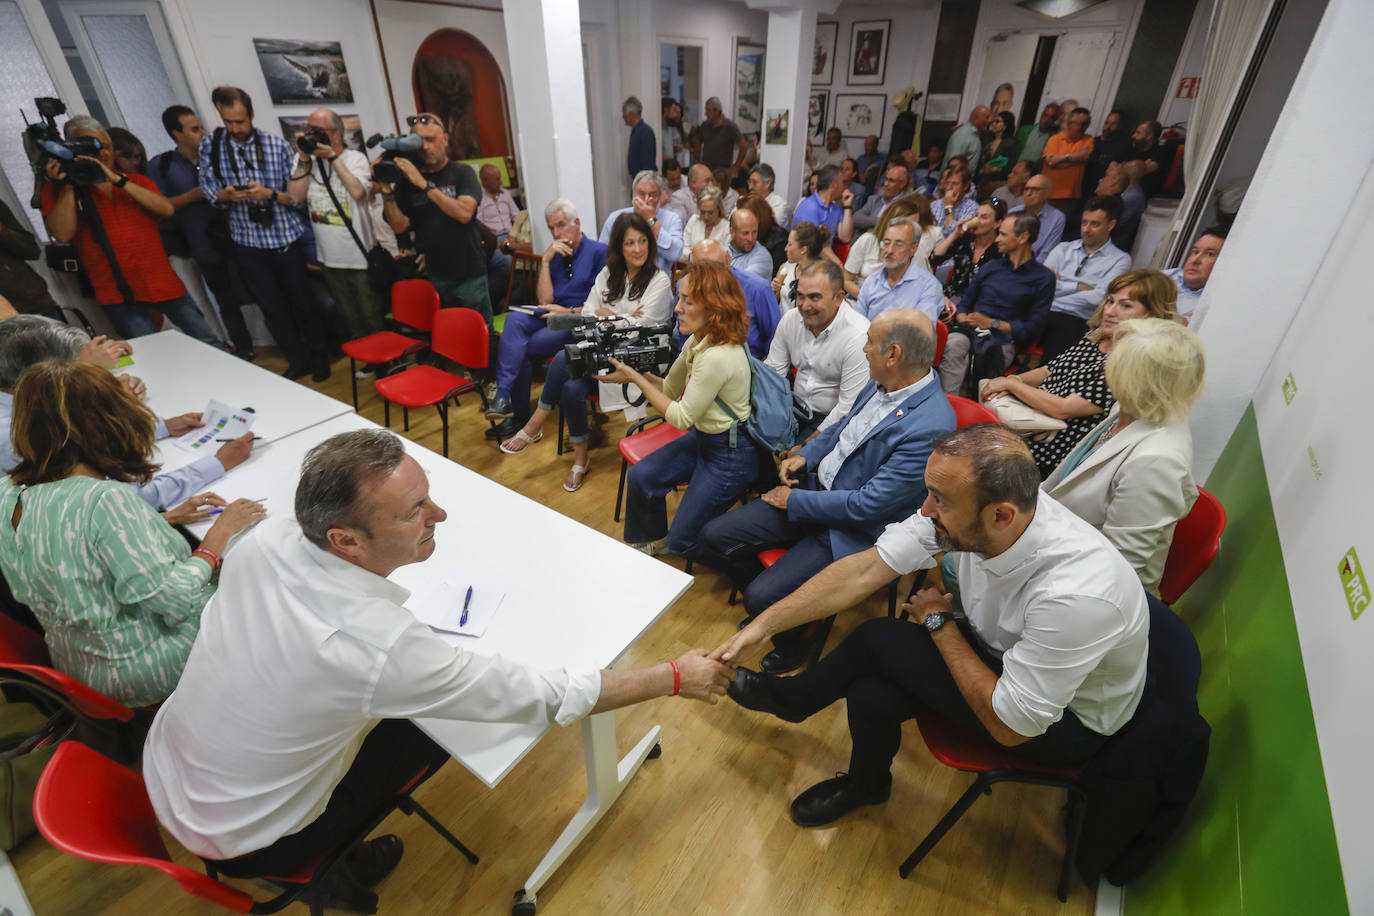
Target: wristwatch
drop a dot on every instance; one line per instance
(653, 221)
(430, 186)
(934, 620)
(121, 181)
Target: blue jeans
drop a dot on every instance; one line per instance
(559, 389)
(718, 475)
(524, 338)
(135, 321)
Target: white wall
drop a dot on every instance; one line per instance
(1191, 59)
(713, 24)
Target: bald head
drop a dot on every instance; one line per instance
(980, 116)
(744, 230)
(329, 121)
(710, 250)
(697, 178)
(905, 338)
(490, 176)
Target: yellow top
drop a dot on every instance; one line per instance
(701, 374)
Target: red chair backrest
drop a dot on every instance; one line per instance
(414, 303)
(23, 651)
(967, 413)
(461, 335)
(1197, 538)
(91, 807)
(941, 336)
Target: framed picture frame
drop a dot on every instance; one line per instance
(868, 52)
(860, 114)
(747, 96)
(303, 72)
(823, 55)
(776, 126)
(818, 115)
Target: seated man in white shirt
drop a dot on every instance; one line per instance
(1193, 275)
(1051, 658)
(289, 728)
(1082, 269)
(761, 179)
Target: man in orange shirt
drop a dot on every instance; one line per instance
(1066, 154)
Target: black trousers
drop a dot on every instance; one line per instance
(390, 756)
(221, 277)
(1062, 331)
(890, 670)
(276, 279)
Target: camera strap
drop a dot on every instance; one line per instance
(325, 175)
(88, 209)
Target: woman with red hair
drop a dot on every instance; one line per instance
(716, 454)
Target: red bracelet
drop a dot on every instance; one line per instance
(677, 677)
(210, 555)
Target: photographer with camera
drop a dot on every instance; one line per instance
(438, 201)
(112, 219)
(631, 291)
(336, 196)
(250, 173)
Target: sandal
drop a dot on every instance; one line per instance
(520, 441)
(573, 482)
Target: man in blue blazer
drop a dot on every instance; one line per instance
(845, 485)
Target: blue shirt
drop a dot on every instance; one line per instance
(193, 219)
(812, 210)
(1188, 298)
(965, 208)
(756, 260)
(669, 237)
(917, 289)
(266, 159)
(9, 458)
(1020, 296)
(852, 436)
(764, 313)
(587, 260)
(1074, 266)
(643, 154)
(1051, 230)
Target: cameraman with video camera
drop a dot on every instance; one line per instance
(251, 173)
(112, 219)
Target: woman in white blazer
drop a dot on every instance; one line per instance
(1131, 477)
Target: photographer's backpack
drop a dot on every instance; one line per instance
(773, 410)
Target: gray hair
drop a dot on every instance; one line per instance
(1003, 468)
(826, 177)
(649, 175)
(913, 337)
(26, 340)
(907, 222)
(335, 122)
(711, 192)
(82, 122)
(1025, 222)
(714, 102)
(765, 171)
(832, 273)
(560, 205)
(333, 475)
(633, 104)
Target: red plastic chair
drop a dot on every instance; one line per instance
(23, 651)
(639, 443)
(967, 413)
(459, 334)
(1197, 538)
(941, 336)
(413, 304)
(91, 807)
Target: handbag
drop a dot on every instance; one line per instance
(23, 755)
(1019, 417)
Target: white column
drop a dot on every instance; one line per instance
(787, 84)
(544, 40)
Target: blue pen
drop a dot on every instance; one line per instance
(467, 602)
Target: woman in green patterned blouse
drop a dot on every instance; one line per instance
(117, 590)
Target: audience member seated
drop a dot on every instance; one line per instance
(1048, 655)
(648, 204)
(745, 251)
(955, 204)
(1033, 137)
(759, 300)
(497, 211)
(570, 266)
(1122, 179)
(1051, 218)
(1010, 298)
(896, 184)
(1154, 157)
(833, 153)
(772, 236)
(972, 248)
(805, 243)
(729, 197)
(831, 206)
(761, 180)
(870, 164)
(840, 490)
(267, 783)
(925, 173)
(849, 178)
(967, 138)
(682, 200)
(902, 283)
(1109, 146)
(706, 393)
(865, 255)
(1082, 269)
(707, 223)
(1192, 277)
(822, 341)
(1000, 151)
(117, 590)
(1073, 386)
(630, 289)
(1131, 478)
(1010, 193)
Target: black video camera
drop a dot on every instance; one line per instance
(411, 147)
(43, 142)
(307, 140)
(643, 349)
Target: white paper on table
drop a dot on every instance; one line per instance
(439, 604)
(220, 421)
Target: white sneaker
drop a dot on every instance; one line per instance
(653, 548)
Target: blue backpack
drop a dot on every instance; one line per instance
(773, 410)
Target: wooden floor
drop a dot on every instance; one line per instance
(703, 829)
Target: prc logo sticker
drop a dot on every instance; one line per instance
(1355, 585)
(1290, 389)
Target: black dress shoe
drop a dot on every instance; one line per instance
(504, 430)
(373, 860)
(321, 371)
(295, 372)
(787, 657)
(339, 890)
(828, 801)
(751, 690)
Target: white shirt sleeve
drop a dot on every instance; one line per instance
(853, 378)
(909, 545)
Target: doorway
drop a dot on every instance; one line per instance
(679, 73)
(1043, 68)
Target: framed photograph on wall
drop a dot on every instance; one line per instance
(817, 115)
(868, 52)
(776, 130)
(748, 94)
(303, 72)
(823, 57)
(859, 115)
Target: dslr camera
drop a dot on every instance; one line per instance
(43, 142)
(307, 140)
(411, 146)
(597, 342)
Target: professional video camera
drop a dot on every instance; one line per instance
(393, 147)
(597, 341)
(43, 141)
(308, 139)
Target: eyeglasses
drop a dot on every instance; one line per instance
(412, 120)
